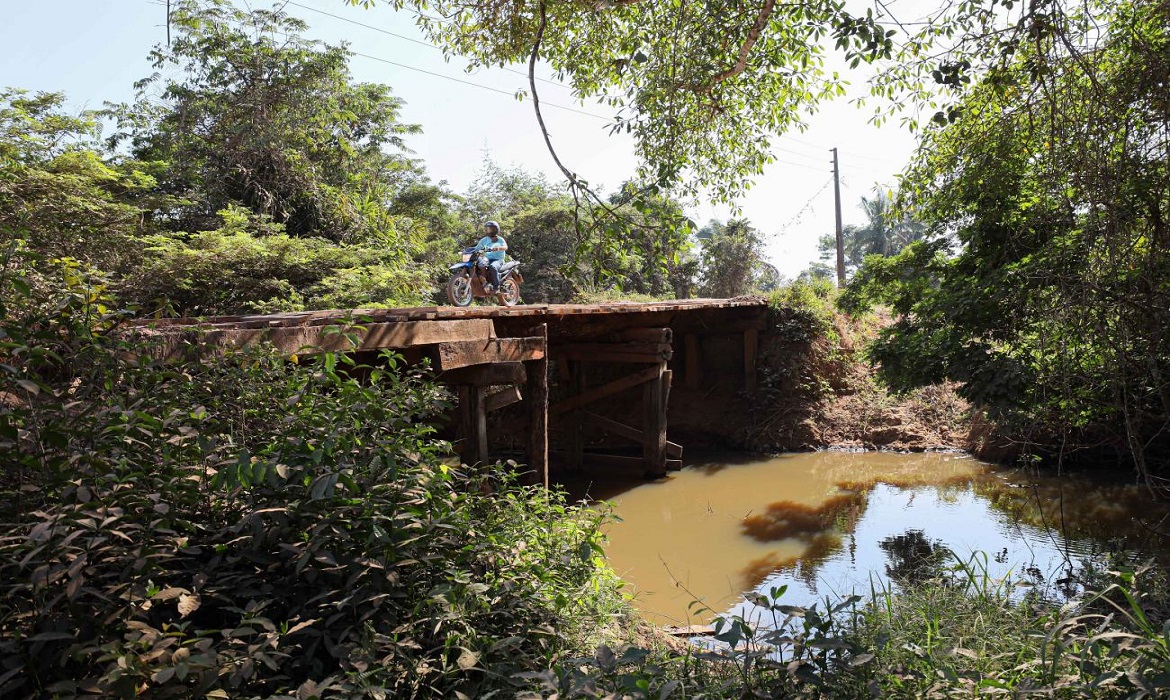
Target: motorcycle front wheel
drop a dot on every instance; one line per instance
(459, 289)
(509, 292)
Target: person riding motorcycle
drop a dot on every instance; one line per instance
(495, 250)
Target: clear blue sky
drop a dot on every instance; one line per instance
(94, 50)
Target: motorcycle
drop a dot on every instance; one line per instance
(470, 277)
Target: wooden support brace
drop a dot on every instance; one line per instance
(499, 399)
(587, 397)
(673, 449)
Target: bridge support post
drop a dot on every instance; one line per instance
(538, 411)
(654, 395)
(574, 436)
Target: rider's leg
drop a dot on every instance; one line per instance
(494, 273)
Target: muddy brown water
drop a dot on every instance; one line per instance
(832, 523)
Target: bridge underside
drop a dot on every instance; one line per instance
(594, 376)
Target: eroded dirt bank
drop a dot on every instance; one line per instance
(817, 391)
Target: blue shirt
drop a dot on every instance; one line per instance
(487, 242)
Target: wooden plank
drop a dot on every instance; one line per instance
(486, 375)
(538, 411)
(479, 352)
(654, 425)
(592, 395)
(751, 343)
(311, 339)
(694, 361)
(595, 356)
(499, 399)
(645, 335)
(633, 348)
(673, 449)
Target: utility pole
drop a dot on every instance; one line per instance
(840, 234)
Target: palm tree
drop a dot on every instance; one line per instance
(886, 233)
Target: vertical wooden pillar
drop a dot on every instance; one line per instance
(654, 428)
(751, 343)
(538, 411)
(473, 424)
(574, 438)
(479, 434)
(694, 369)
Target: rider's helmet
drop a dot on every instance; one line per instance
(493, 226)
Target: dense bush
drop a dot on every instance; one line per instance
(250, 527)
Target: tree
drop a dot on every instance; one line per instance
(60, 196)
(1044, 285)
(732, 260)
(262, 117)
(886, 232)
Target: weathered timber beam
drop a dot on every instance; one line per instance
(645, 335)
(592, 395)
(481, 352)
(608, 460)
(673, 449)
(497, 400)
(486, 375)
(614, 352)
(310, 339)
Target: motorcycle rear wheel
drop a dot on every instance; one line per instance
(509, 292)
(459, 289)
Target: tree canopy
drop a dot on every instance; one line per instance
(1044, 285)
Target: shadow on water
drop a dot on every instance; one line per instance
(833, 522)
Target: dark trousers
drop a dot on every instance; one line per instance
(493, 271)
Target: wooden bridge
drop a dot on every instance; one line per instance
(494, 357)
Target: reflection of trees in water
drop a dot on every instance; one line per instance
(1110, 515)
(913, 557)
(817, 528)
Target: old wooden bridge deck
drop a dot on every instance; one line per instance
(497, 356)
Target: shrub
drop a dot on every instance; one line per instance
(251, 527)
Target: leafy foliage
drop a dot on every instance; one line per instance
(733, 260)
(1054, 189)
(262, 117)
(249, 527)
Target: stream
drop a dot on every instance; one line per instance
(833, 523)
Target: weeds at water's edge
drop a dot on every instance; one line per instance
(959, 633)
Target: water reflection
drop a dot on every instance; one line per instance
(914, 558)
(825, 523)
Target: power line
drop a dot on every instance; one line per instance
(806, 207)
(410, 39)
(543, 103)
